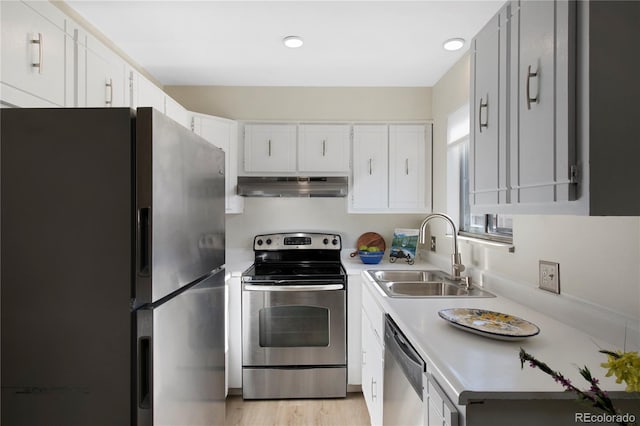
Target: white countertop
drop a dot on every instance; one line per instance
(472, 367)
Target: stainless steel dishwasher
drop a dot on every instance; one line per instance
(403, 372)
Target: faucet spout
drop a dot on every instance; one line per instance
(456, 261)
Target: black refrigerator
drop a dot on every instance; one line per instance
(112, 266)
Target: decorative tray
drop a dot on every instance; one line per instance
(495, 325)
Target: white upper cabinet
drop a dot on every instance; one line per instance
(488, 170)
(391, 168)
(407, 167)
(103, 82)
(177, 112)
(34, 55)
(144, 93)
(223, 133)
(323, 147)
(270, 148)
(369, 186)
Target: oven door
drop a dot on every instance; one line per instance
(294, 325)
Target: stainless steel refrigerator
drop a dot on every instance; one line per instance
(112, 259)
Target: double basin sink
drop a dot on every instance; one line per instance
(423, 284)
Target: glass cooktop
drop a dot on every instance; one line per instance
(294, 271)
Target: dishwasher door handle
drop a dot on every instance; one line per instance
(408, 351)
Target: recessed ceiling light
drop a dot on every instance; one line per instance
(292, 41)
(453, 44)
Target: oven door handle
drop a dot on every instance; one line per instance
(315, 287)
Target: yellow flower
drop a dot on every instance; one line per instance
(626, 367)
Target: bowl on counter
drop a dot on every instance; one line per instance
(370, 257)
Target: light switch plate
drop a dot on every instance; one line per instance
(549, 276)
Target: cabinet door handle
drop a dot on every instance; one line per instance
(40, 42)
(324, 148)
(109, 98)
(528, 87)
(485, 105)
(370, 166)
(373, 389)
(269, 147)
(364, 357)
(406, 166)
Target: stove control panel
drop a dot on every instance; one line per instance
(297, 241)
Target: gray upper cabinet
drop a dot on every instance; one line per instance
(553, 106)
(541, 140)
(488, 170)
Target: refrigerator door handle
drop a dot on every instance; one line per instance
(144, 241)
(144, 372)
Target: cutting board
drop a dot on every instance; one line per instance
(370, 239)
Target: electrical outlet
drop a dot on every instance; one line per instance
(433, 244)
(549, 276)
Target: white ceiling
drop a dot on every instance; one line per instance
(239, 43)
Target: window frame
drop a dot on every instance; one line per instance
(490, 227)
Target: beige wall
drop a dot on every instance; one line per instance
(263, 215)
(599, 256)
(307, 103)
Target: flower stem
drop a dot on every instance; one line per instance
(595, 396)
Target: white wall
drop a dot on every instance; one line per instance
(599, 256)
(263, 215)
(306, 103)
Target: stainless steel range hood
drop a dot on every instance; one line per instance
(292, 186)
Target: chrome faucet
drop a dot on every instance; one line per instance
(456, 262)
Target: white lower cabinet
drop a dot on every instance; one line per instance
(372, 355)
(372, 370)
(354, 330)
(438, 408)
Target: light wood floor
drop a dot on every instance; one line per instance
(349, 411)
